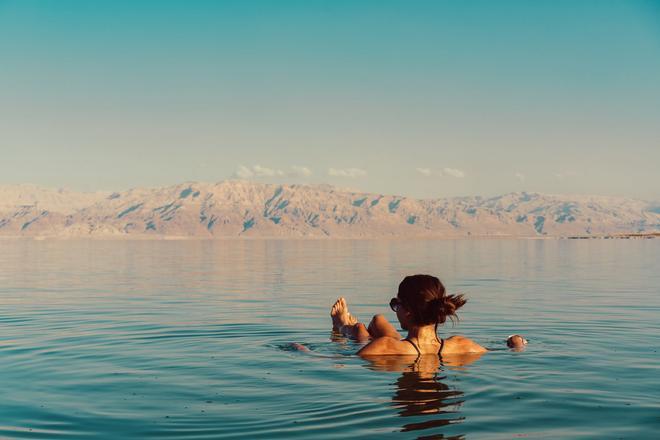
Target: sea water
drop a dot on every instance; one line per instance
(192, 339)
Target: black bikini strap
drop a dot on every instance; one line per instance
(419, 353)
(440, 340)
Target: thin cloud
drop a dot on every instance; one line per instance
(451, 172)
(300, 171)
(243, 172)
(454, 172)
(520, 177)
(260, 171)
(256, 171)
(351, 173)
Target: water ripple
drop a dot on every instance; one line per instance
(194, 340)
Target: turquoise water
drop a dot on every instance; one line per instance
(190, 339)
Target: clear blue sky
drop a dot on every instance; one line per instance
(423, 98)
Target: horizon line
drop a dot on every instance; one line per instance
(323, 184)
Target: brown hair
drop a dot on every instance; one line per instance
(425, 298)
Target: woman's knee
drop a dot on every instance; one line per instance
(379, 326)
(375, 321)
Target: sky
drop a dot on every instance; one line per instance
(419, 98)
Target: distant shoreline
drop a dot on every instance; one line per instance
(633, 236)
(615, 236)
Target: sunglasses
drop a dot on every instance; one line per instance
(395, 304)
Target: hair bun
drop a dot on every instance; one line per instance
(427, 301)
(438, 305)
(449, 304)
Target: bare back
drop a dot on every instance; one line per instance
(387, 345)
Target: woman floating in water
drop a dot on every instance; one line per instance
(420, 305)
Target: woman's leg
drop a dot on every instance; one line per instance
(348, 325)
(345, 323)
(380, 326)
(357, 331)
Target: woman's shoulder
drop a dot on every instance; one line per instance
(461, 344)
(387, 345)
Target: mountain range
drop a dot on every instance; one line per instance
(237, 208)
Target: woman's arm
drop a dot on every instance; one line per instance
(460, 344)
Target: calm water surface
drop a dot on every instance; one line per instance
(189, 339)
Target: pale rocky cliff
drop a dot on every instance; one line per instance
(248, 209)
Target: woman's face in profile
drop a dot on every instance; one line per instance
(403, 316)
(402, 313)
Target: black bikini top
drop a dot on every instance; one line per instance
(419, 353)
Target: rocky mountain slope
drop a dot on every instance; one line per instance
(248, 209)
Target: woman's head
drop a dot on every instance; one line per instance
(423, 301)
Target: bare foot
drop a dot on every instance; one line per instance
(340, 315)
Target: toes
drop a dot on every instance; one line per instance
(339, 307)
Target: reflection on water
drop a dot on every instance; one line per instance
(422, 390)
(424, 394)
